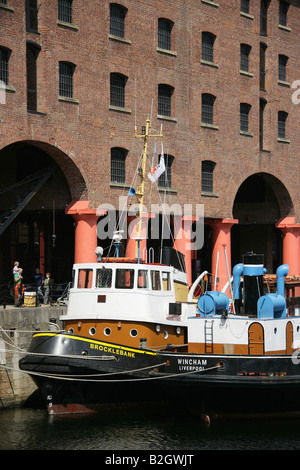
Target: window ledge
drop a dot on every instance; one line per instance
(166, 51)
(64, 24)
(167, 190)
(8, 88)
(209, 126)
(285, 28)
(209, 63)
(119, 39)
(284, 83)
(246, 134)
(68, 100)
(7, 7)
(119, 185)
(210, 2)
(166, 118)
(283, 141)
(207, 194)
(118, 108)
(37, 113)
(247, 15)
(247, 74)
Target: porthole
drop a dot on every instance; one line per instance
(70, 330)
(107, 331)
(275, 331)
(166, 334)
(92, 331)
(133, 333)
(298, 328)
(178, 330)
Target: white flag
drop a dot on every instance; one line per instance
(158, 170)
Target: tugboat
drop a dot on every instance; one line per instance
(134, 332)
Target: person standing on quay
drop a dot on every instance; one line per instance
(19, 288)
(47, 287)
(39, 281)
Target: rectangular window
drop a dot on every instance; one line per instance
(117, 20)
(31, 15)
(118, 168)
(65, 10)
(85, 277)
(262, 65)
(143, 282)
(4, 66)
(207, 181)
(207, 109)
(117, 90)
(165, 100)
(103, 278)
(164, 33)
(282, 64)
(208, 40)
(31, 72)
(166, 280)
(282, 117)
(283, 12)
(66, 80)
(245, 7)
(155, 280)
(124, 278)
(245, 52)
(244, 117)
(264, 5)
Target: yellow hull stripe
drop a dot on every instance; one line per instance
(101, 343)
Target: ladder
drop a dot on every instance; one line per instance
(208, 336)
(10, 214)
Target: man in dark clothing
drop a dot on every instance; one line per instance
(39, 281)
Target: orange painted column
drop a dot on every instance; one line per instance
(221, 238)
(131, 247)
(182, 241)
(85, 231)
(291, 243)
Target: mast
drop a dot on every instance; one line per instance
(140, 192)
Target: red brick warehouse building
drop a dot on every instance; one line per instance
(221, 77)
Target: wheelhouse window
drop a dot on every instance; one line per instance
(31, 9)
(118, 167)
(165, 180)
(117, 20)
(4, 58)
(85, 278)
(207, 108)
(165, 33)
(117, 90)
(65, 11)
(155, 280)
(143, 282)
(66, 72)
(207, 181)
(103, 278)
(124, 278)
(282, 118)
(165, 93)
(208, 40)
(244, 117)
(245, 54)
(166, 280)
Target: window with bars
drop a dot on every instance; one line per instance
(245, 54)
(282, 118)
(165, 180)
(165, 33)
(66, 72)
(118, 169)
(117, 90)
(244, 117)
(65, 10)
(207, 179)
(208, 101)
(32, 52)
(117, 20)
(208, 40)
(4, 58)
(245, 6)
(282, 67)
(165, 93)
(283, 12)
(31, 10)
(3, 2)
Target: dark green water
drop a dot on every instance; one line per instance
(149, 429)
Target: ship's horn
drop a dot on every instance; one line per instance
(131, 192)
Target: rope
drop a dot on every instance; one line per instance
(50, 376)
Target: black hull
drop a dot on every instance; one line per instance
(111, 375)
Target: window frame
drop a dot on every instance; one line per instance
(207, 108)
(118, 165)
(282, 125)
(207, 176)
(165, 94)
(117, 16)
(208, 42)
(66, 79)
(164, 34)
(65, 11)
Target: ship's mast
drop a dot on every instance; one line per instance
(140, 192)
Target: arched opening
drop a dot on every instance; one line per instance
(37, 183)
(260, 202)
